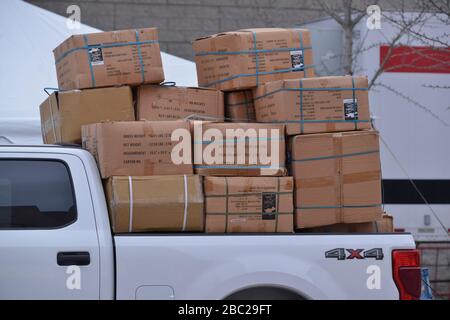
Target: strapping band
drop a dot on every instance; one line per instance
(220, 53)
(277, 206)
(88, 59)
(301, 89)
(246, 101)
(300, 38)
(244, 194)
(308, 89)
(339, 207)
(53, 120)
(103, 46)
(354, 98)
(186, 200)
(141, 62)
(236, 167)
(256, 59)
(253, 74)
(300, 86)
(345, 155)
(226, 204)
(130, 188)
(244, 213)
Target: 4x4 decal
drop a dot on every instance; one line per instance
(358, 254)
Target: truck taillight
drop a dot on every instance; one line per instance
(407, 274)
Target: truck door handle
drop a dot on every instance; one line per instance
(81, 258)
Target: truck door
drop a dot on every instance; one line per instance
(48, 240)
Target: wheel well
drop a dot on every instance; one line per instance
(265, 293)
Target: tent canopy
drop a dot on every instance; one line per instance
(29, 34)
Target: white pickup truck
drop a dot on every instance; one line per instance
(56, 243)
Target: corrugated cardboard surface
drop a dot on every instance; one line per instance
(227, 60)
(155, 203)
(239, 106)
(384, 225)
(63, 113)
(134, 148)
(337, 178)
(256, 146)
(248, 204)
(363, 227)
(322, 104)
(112, 58)
(170, 103)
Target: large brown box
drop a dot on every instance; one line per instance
(155, 203)
(385, 225)
(248, 204)
(63, 113)
(323, 104)
(108, 59)
(135, 148)
(249, 149)
(239, 106)
(228, 61)
(170, 103)
(337, 178)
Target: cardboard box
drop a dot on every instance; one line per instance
(337, 178)
(239, 149)
(108, 59)
(227, 60)
(325, 104)
(386, 224)
(170, 103)
(380, 226)
(135, 148)
(158, 203)
(239, 106)
(63, 113)
(248, 204)
(363, 227)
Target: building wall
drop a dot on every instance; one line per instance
(181, 21)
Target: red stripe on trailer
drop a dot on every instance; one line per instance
(415, 59)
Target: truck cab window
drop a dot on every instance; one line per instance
(35, 194)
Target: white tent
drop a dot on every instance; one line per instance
(28, 35)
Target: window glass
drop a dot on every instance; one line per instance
(35, 194)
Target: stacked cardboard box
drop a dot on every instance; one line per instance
(239, 149)
(63, 113)
(337, 178)
(251, 162)
(337, 173)
(323, 104)
(108, 59)
(146, 190)
(167, 102)
(239, 106)
(247, 58)
(132, 148)
(169, 172)
(385, 225)
(248, 204)
(244, 169)
(155, 203)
